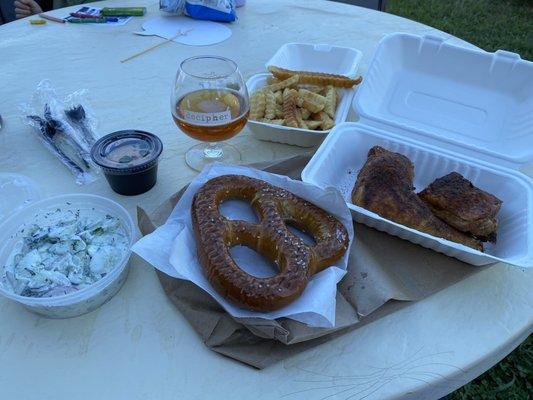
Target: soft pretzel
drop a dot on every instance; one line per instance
(275, 207)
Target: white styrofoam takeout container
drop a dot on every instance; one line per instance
(90, 297)
(314, 58)
(295, 136)
(317, 58)
(447, 109)
(476, 101)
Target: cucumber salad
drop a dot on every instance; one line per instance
(71, 253)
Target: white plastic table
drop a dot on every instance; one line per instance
(138, 346)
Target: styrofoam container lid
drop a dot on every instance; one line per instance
(16, 191)
(466, 100)
(317, 58)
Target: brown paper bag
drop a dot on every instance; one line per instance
(382, 269)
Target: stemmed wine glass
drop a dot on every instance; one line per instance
(209, 102)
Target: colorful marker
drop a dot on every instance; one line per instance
(87, 20)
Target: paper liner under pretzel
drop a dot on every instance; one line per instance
(275, 207)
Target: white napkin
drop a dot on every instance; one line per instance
(171, 248)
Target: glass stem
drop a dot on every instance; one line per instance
(213, 151)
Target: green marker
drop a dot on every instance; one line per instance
(124, 11)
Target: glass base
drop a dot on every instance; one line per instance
(197, 157)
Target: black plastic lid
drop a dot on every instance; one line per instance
(127, 152)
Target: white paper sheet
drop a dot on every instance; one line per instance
(171, 248)
(198, 33)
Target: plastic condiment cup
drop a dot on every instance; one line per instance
(129, 160)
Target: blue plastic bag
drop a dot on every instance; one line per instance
(211, 10)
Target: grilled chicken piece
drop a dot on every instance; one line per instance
(459, 203)
(385, 186)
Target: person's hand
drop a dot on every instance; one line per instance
(25, 8)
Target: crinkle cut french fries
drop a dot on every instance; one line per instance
(315, 78)
(257, 105)
(307, 101)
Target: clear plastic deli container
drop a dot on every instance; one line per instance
(35, 212)
(446, 108)
(307, 57)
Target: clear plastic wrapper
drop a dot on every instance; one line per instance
(65, 126)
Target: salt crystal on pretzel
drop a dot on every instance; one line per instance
(257, 105)
(289, 108)
(315, 78)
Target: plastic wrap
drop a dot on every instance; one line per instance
(65, 126)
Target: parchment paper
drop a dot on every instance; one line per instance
(384, 274)
(314, 307)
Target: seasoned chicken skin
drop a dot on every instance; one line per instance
(385, 186)
(459, 203)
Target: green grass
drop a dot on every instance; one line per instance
(490, 25)
(510, 379)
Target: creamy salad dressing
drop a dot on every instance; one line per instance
(127, 152)
(71, 253)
